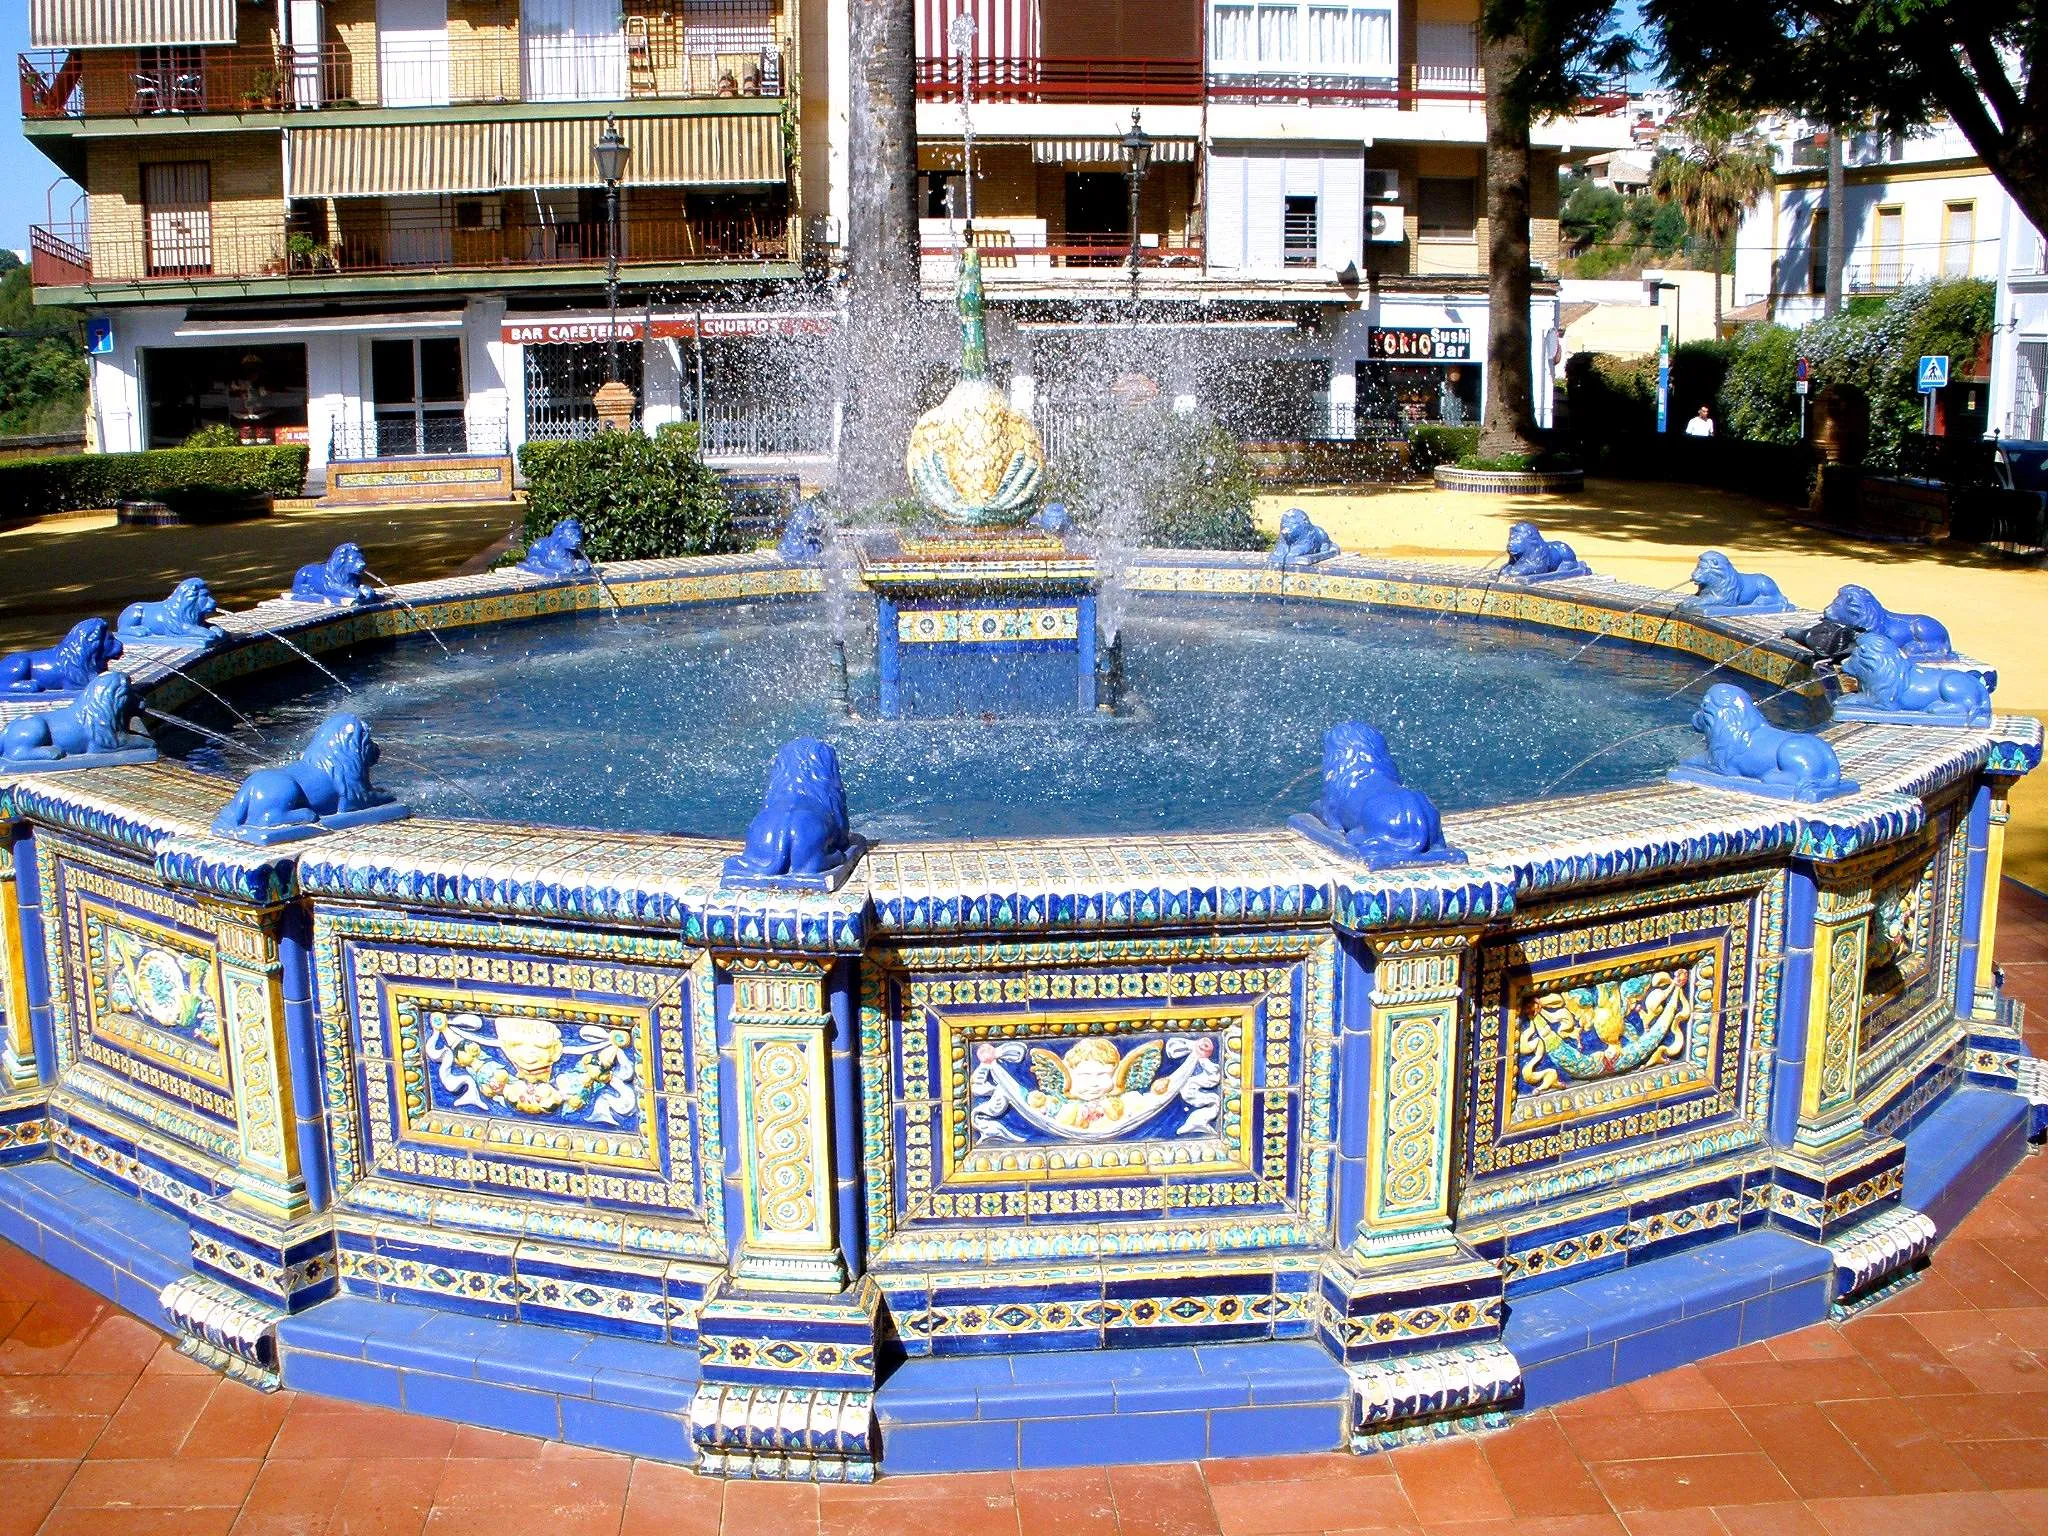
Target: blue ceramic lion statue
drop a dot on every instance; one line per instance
(801, 835)
(1532, 557)
(92, 725)
(1725, 590)
(1301, 542)
(1053, 518)
(65, 667)
(803, 536)
(330, 778)
(339, 579)
(558, 552)
(1368, 810)
(179, 619)
(1745, 751)
(1891, 684)
(1920, 637)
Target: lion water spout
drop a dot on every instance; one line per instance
(305, 655)
(418, 621)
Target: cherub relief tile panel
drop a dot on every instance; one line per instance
(491, 1065)
(1087, 1092)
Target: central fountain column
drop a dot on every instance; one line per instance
(982, 617)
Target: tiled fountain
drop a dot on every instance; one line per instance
(805, 1155)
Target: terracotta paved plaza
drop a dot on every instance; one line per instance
(1927, 1414)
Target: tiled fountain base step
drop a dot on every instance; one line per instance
(1954, 1156)
(1031, 1410)
(989, 1412)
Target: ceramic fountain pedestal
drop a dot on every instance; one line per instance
(972, 623)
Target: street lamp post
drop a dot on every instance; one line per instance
(610, 154)
(1666, 341)
(1137, 147)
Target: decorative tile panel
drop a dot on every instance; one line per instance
(1617, 1035)
(1093, 1090)
(1914, 936)
(491, 1065)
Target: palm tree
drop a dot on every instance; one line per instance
(881, 247)
(1540, 58)
(1712, 179)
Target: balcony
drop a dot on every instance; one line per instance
(462, 69)
(195, 251)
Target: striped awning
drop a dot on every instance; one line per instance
(426, 158)
(129, 23)
(1102, 151)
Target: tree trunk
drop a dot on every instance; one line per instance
(1838, 225)
(1510, 422)
(878, 384)
(1720, 266)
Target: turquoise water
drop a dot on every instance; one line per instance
(667, 721)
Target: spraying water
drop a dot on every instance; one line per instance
(217, 698)
(411, 612)
(305, 655)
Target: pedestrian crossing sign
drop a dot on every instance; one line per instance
(1933, 374)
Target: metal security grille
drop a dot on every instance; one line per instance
(177, 201)
(1298, 233)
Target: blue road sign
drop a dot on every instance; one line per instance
(99, 336)
(1933, 374)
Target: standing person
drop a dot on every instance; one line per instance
(1450, 403)
(1702, 424)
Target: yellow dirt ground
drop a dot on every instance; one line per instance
(1651, 534)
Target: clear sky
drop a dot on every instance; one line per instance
(25, 175)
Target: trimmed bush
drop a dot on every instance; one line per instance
(1157, 477)
(1429, 446)
(638, 497)
(71, 482)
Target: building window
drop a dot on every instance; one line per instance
(1298, 233)
(562, 381)
(1295, 37)
(944, 194)
(416, 386)
(1817, 254)
(260, 392)
(1888, 268)
(1958, 239)
(1446, 207)
(177, 204)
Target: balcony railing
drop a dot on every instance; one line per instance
(1005, 251)
(1061, 80)
(70, 258)
(144, 82)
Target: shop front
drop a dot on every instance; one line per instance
(760, 384)
(1414, 375)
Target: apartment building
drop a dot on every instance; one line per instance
(1312, 200)
(1918, 207)
(377, 226)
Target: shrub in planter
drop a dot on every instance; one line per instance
(1151, 475)
(638, 497)
(1429, 446)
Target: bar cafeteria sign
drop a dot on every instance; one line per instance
(572, 329)
(1420, 344)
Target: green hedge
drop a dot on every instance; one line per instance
(35, 487)
(637, 497)
(1148, 474)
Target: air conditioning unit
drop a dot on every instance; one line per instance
(1383, 186)
(1384, 223)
